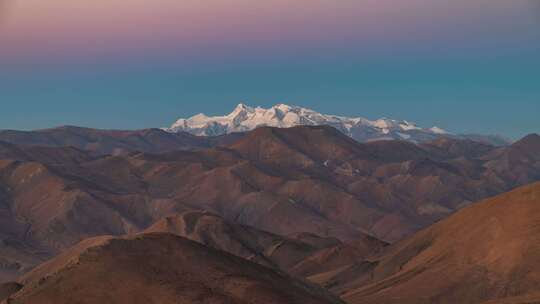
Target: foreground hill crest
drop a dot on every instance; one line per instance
(158, 268)
(487, 252)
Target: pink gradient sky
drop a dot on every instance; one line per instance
(148, 62)
(34, 29)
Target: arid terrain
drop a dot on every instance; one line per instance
(369, 222)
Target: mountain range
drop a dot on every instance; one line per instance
(270, 215)
(245, 118)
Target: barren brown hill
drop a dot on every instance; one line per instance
(486, 252)
(158, 268)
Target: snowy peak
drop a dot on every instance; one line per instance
(245, 118)
(438, 130)
(240, 109)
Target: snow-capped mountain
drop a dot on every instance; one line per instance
(245, 118)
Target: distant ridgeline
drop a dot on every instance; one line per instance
(245, 118)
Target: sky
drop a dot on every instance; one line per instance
(469, 66)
